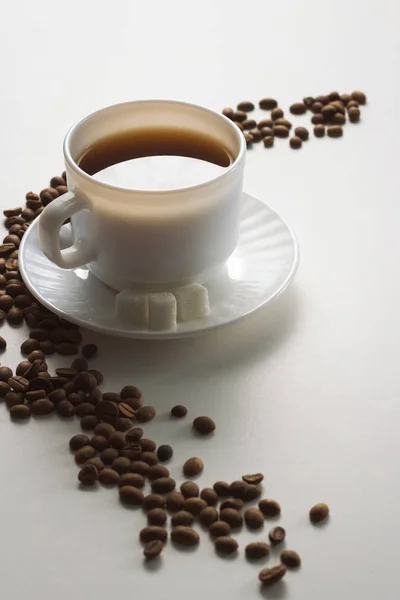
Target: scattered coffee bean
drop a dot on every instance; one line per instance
(123, 424)
(265, 123)
(220, 529)
(108, 476)
(13, 398)
(147, 445)
(78, 441)
(121, 464)
(42, 407)
(194, 505)
(338, 119)
(269, 508)
(131, 495)
(151, 533)
(277, 535)
(65, 409)
(5, 388)
(89, 422)
(153, 549)
(253, 518)
(255, 478)
(106, 411)
(267, 132)
(29, 346)
(164, 452)
(227, 112)
(360, 97)
(302, 133)
(268, 141)
(249, 139)
(246, 106)
(298, 108)
(328, 111)
(150, 457)
(333, 96)
(104, 429)
(88, 475)
(272, 575)
(351, 104)
(18, 384)
(15, 316)
(190, 489)
(238, 115)
(126, 411)
(20, 411)
(222, 488)
(208, 515)
(268, 103)
(182, 517)
(354, 114)
(139, 466)
(185, 536)
(319, 513)
(335, 131)
(57, 396)
(157, 516)
(276, 113)
(319, 131)
(179, 411)
(339, 106)
(89, 350)
(226, 545)
(316, 107)
(109, 454)
(204, 425)
(249, 124)
(98, 442)
(256, 550)
(36, 355)
(84, 453)
(98, 376)
(295, 142)
(281, 132)
(235, 503)
(96, 462)
(134, 435)
(192, 467)
(153, 501)
(290, 559)
(157, 471)
(163, 485)
(238, 489)
(145, 414)
(209, 496)
(79, 364)
(231, 516)
(283, 122)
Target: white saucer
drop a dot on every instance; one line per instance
(261, 267)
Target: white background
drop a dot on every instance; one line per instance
(306, 391)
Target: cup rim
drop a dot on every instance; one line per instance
(220, 177)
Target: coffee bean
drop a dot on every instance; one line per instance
(226, 545)
(174, 501)
(85, 382)
(319, 513)
(277, 535)
(269, 508)
(12, 212)
(151, 533)
(145, 414)
(6, 249)
(319, 131)
(150, 458)
(302, 133)
(66, 349)
(267, 132)
(283, 122)
(20, 411)
(192, 467)
(280, 131)
(208, 515)
(295, 143)
(89, 422)
(209, 496)
(335, 131)
(13, 398)
(245, 106)
(235, 503)
(108, 477)
(231, 516)
(88, 475)
(352, 104)
(253, 479)
(77, 398)
(190, 489)
(134, 453)
(360, 97)
(249, 124)
(290, 559)
(6, 303)
(65, 409)
(106, 411)
(4, 389)
(256, 550)
(163, 485)
(42, 407)
(79, 364)
(125, 410)
(338, 119)
(268, 141)
(18, 384)
(164, 452)
(22, 301)
(185, 536)
(179, 411)
(298, 108)
(15, 316)
(220, 529)
(204, 425)
(84, 453)
(249, 139)
(328, 111)
(354, 114)
(139, 466)
(131, 495)
(238, 489)
(104, 429)
(133, 479)
(316, 107)
(268, 103)
(99, 442)
(153, 549)
(156, 472)
(47, 347)
(78, 441)
(36, 355)
(238, 115)
(221, 488)
(227, 112)
(23, 368)
(339, 106)
(255, 133)
(57, 396)
(97, 375)
(96, 462)
(89, 350)
(153, 501)
(276, 113)
(157, 516)
(272, 575)
(194, 505)
(108, 455)
(123, 423)
(121, 464)
(183, 518)
(253, 518)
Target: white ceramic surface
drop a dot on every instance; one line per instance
(260, 268)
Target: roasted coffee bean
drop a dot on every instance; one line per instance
(15, 289)
(269, 508)
(319, 131)
(97, 462)
(256, 135)
(125, 410)
(209, 496)
(267, 132)
(134, 452)
(204, 425)
(335, 131)
(290, 559)
(295, 143)
(183, 518)
(235, 503)
(78, 441)
(108, 477)
(48, 323)
(238, 489)
(352, 104)
(47, 347)
(267, 103)
(323, 99)
(131, 391)
(79, 364)
(145, 414)
(18, 384)
(164, 452)
(328, 111)
(266, 123)
(133, 403)
(231, 516)
(89, 422)
(65, 409)
(36, 355)
(256, 550)
(153, 501)
(6, 249)
(85, 382)
(25, 368)
(123, 424)
(121, 464)
(97, 375)
(84, 453)
(339, 107)
(338, 119)
(185, 536)
(316, 107)
(354, 114)
(226, 545)
(268, 141)
(360, 97)
(239, 125)
(53, 192)
(253, 479)
(302, 133)
(153, 549)
(221, 488)
(66, 349)
(77, 398)
(95, 397)
(150, 457)
(249, 124)
(133, 479)
(276, 113)
(194, 505)
(106, 411)
(55, 181)
(4, 389)
(98, 442)
(277, 535)
(272, 575)
(104, 429)
(298, 108)
(151, 533)
(238, 115)
(42, 407)
(39, 334)
(12, 212)
(227, 112)
(157, 516)
(109, 454)
(139, 466)
(333, 96)
(174, 501)
(88, 475)
(249, 139)
(280, 131)
(192, 467)
(319, 513)
(179, 411)
(147, 445)
(61, 189)
(2, 316)
(20, 411)
(15, 316)
(156, 472)
(190, 489)
(13, 398)
(253, 518)
(163, 485)
(220, 529)
(6, 303)
(246, 106)
(131, 495)
(208, 516)
(22, 301)
(89, 350)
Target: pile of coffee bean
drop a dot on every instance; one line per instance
(329, 113)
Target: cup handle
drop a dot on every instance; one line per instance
(50, 223)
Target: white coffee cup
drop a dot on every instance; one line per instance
(133, 238)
